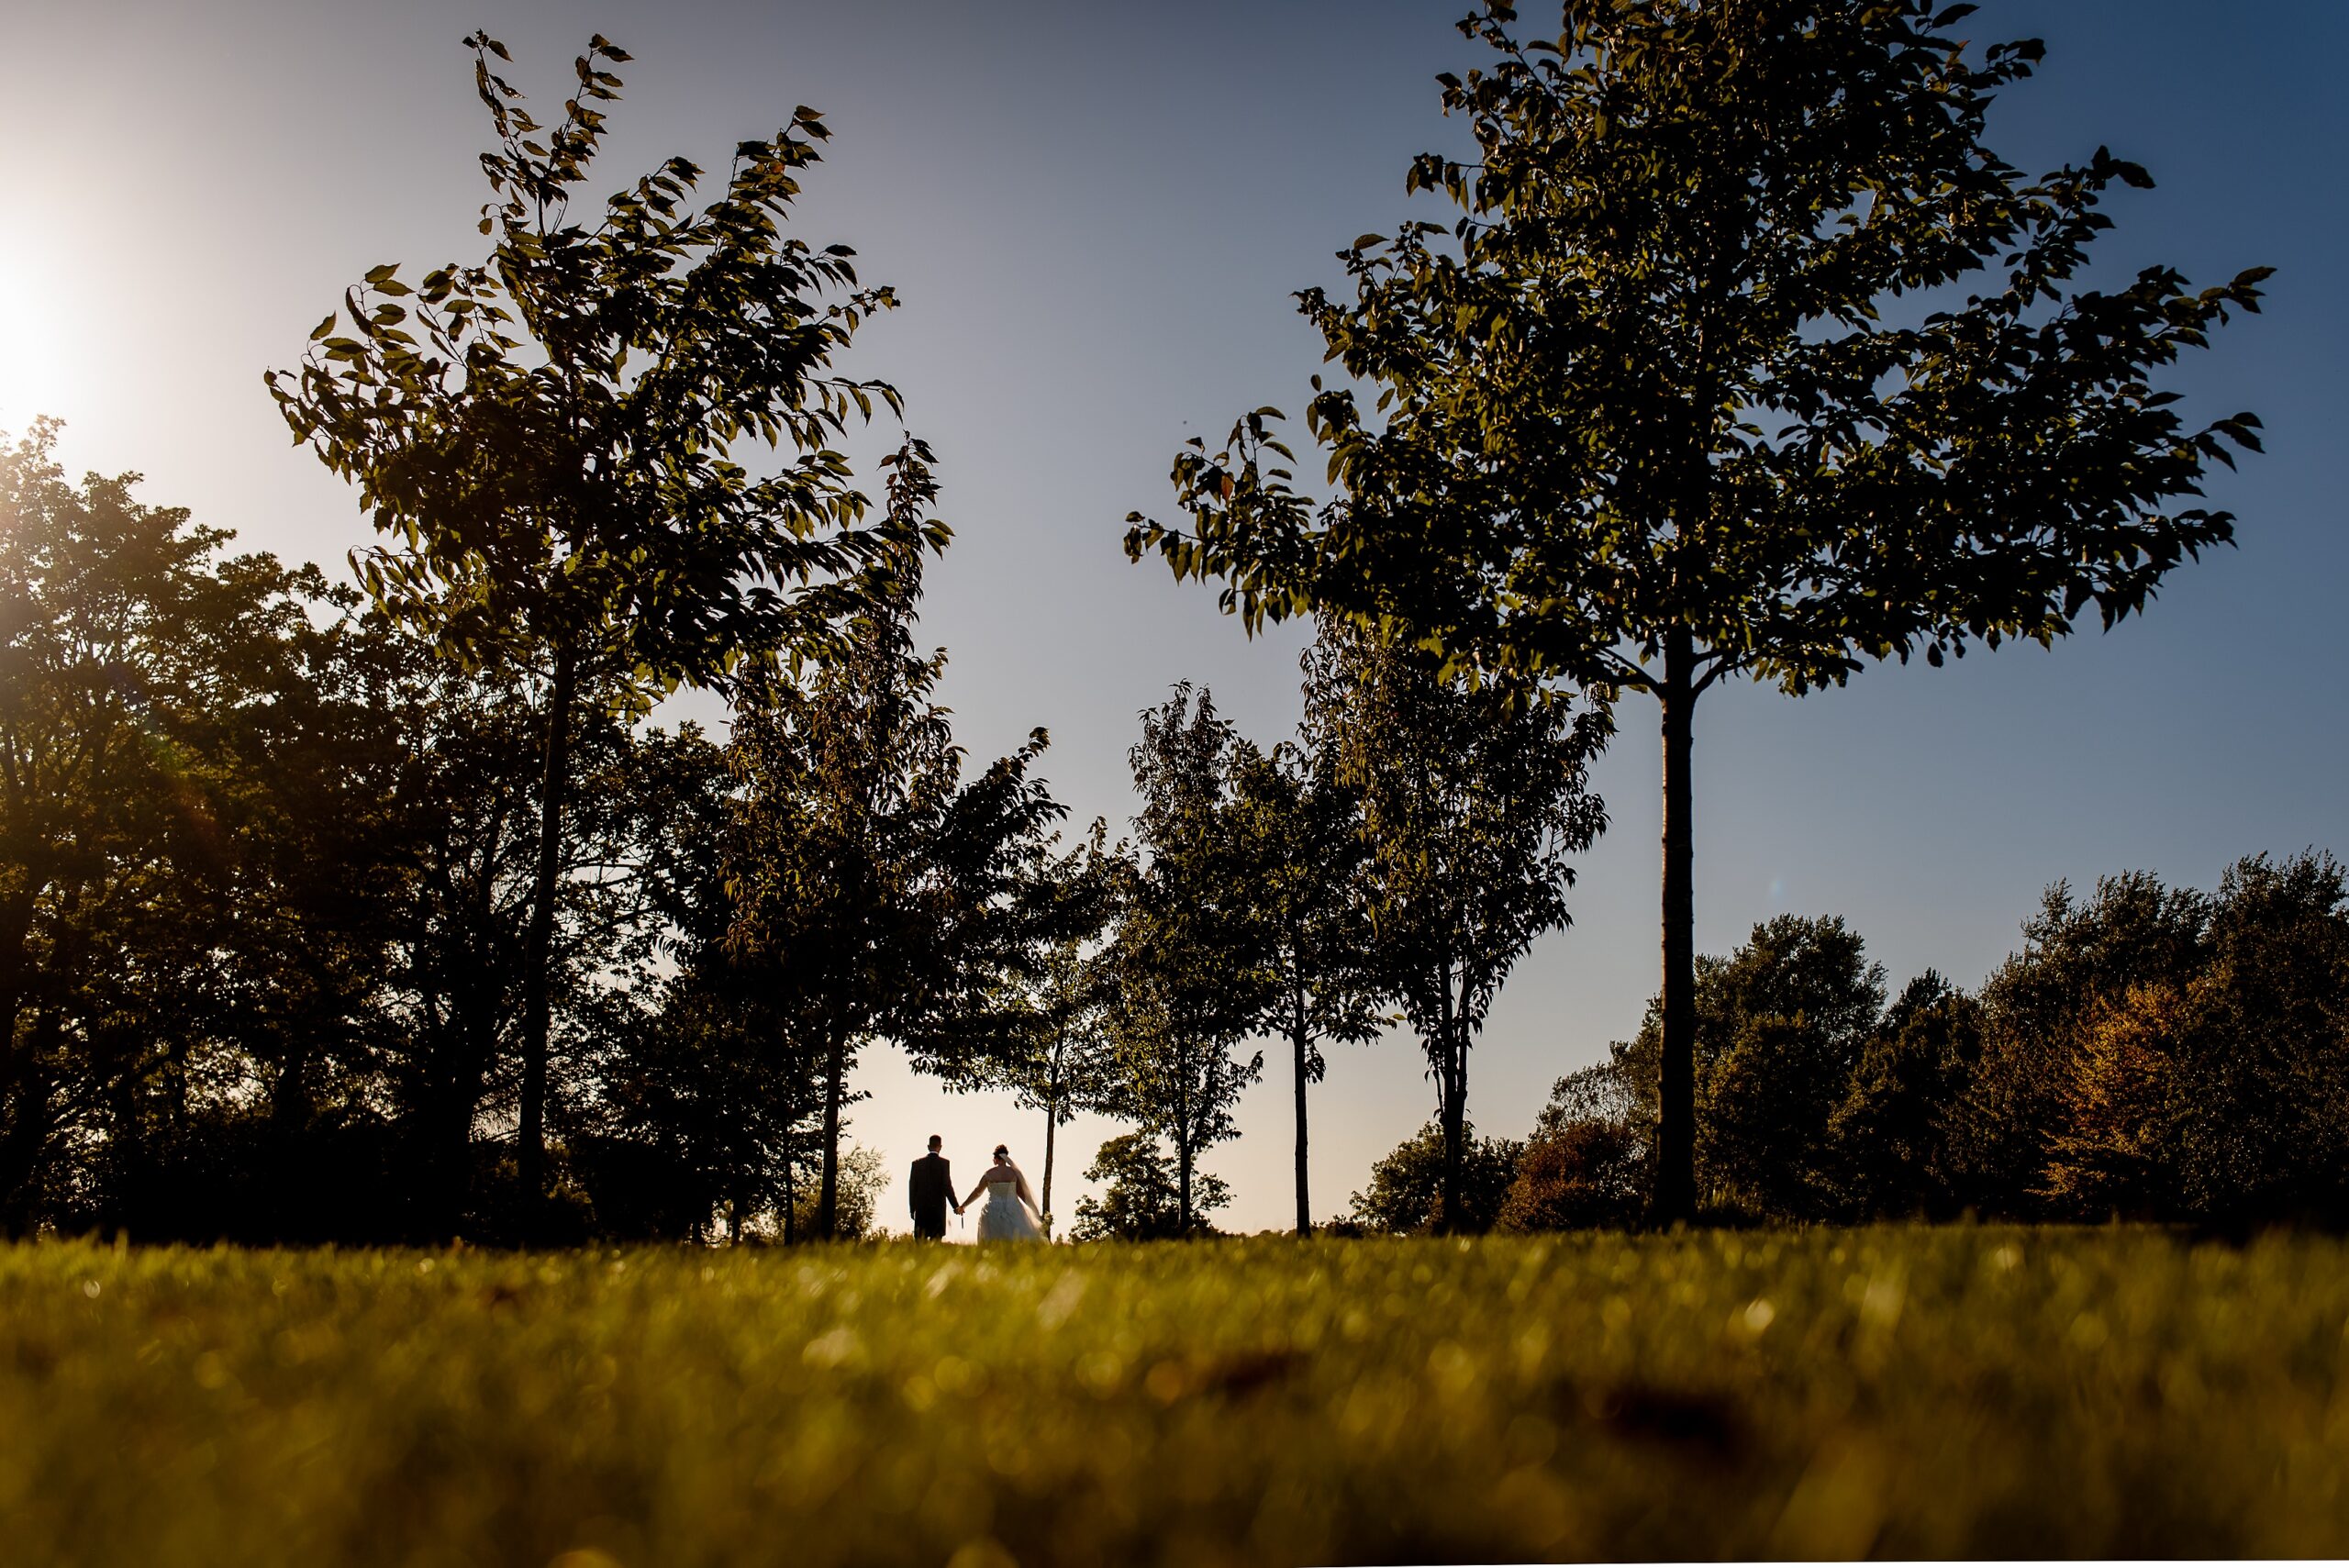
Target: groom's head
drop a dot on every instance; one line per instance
(934, 1141)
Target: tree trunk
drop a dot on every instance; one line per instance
(1182, 1149)
(828, 1191)
(1182, 1182)
(24, 1096)
(1449, 1221)
(1297, 1039)
(1052, 1115)
(1674, 1197)
(28, 1112)
(26, 1122)
(1450, 1115)
(537, 960)
(790, 1191)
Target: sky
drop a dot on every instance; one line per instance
(1095, 216)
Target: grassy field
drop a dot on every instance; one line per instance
(1903, 1392)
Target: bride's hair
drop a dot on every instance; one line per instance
(1002, 1152)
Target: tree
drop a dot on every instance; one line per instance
(1471, 799)
(862, 1182)
(1889, 1138)
(882, 891)
(2264, 1083)
(2114, 1151)
(148, 686)
(551, 437)
(1413, 1188)
(708, 1091)
(1058, 1056)
(1187, 961)
(1671, 404)
(1142, 1199)
(1781, 1026)
(1302, 857)
(2215, 1092)
(2078, 958)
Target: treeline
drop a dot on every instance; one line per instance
(270, 862)
(2151, 1054)
(267, 862)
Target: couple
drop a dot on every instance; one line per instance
(1010, 1214)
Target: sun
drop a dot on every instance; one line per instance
(40, 373)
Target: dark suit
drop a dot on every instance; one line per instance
(930, 1191)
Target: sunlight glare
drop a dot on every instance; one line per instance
(38, 373)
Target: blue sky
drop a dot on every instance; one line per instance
(1095, 216)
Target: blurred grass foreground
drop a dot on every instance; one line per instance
(1905, 1392)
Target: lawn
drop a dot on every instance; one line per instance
(1908, 1392)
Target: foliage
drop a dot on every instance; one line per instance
(862, 1182)
(2151, 1052)
(184, 787)
(708, 1099)
(1410, 1184)
(2266, 1085)
(2114, 1149)
(1188, 962)
(1669, 404)
(1587, 1175)
(1471, 798)
(1585, 1166)
(274, 860)
(1142, 1198)
(2078, 957)
(1945, 1394)
(1891, 1136)
(551, 437)
(1782, 1026)
(2219, 1095)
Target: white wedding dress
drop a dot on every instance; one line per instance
(1006, 1217)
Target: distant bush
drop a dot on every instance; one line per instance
(1406, 1193)
(1141, 1201)
(1587, 1175)
(862, 1181)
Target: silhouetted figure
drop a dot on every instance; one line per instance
(929, 1191)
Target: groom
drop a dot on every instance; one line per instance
(929, 1190)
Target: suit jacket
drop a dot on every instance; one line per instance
(929, 1190)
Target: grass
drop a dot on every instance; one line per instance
(1908, 1392)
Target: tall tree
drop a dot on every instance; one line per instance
(1671, 403)
(886, 893)
(1301, 857)
(1471, 799)
(1056, 1052)
(140, 674)
(1191, 982)
(551, 436)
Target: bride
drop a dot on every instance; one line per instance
(1010, 1214)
